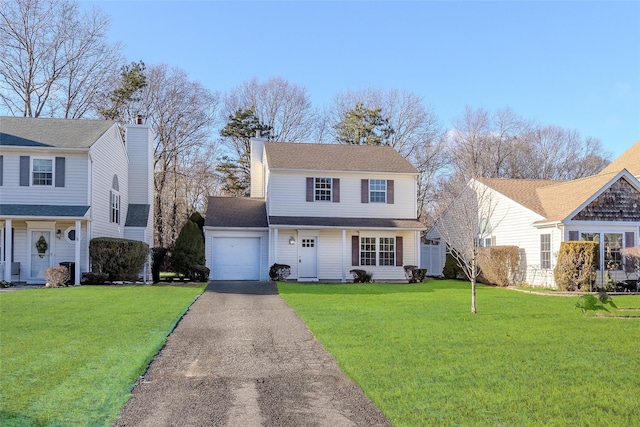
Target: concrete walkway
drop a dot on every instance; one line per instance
(242, 357)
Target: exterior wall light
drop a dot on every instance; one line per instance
(292, 240)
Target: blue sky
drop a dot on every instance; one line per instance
(573, 64)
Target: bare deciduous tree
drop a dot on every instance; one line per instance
(282, 106)
(464, 225)
(183, 114)
(53, 59)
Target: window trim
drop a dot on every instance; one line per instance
(52, 172)
(114, 207)
(317, 189)
(382, 191)
(545, 261)
(375, 255)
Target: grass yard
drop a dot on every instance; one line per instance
(524, 360)
(69, 357)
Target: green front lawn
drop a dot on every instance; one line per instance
(70, 356)
(523, 360)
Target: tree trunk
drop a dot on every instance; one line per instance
(473, 296)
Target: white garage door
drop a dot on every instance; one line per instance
(236, 258)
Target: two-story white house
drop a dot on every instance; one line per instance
(64, 182)
(323, 209)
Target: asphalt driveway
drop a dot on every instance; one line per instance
(242, 357)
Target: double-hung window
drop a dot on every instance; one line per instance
(42, 172)
(545, 251)
(322, 189)
(377, 191)
(114, 201)
(612, 255)
(378, 251)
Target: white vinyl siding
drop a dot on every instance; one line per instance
(287, 197)
(108, 159)
(75, 187)
(332, 260)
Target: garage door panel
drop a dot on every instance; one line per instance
(236, 258)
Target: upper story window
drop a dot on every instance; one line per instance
(115, 201)
(378, 191)
(322, 189)
(42, 172)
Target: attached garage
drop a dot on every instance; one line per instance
(237, 239)
(235, 258)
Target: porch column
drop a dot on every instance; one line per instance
(418, 250)
(275, 246)
(344, 253)
(76, 279)
(7, 250)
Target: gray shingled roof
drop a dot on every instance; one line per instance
(346, 222)
(336, 157)
(62, 133)
(137, 215)
(43, 210)
(240, 212)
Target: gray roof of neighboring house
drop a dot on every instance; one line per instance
(43, 210)
(336, 157)
(346, 222)
(137, 215)
(232, 212)
(42, 132)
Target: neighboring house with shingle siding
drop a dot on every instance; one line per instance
(538, 215)
(66, 182)
(323, 209)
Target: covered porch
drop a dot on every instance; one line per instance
(36, 237)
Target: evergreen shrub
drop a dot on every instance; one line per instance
(120, 259)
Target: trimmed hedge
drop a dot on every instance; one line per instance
(498, 264)
(120, 259)
(279, 272)
(577, 263)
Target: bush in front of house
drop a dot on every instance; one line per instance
(188, 251)
(56, 276)
(120, 259)
(414, 274)
(279, 272)
(498, 264)
(94, 278)
(361, 276)
(451, 268)
(577, 262)
(158, 256)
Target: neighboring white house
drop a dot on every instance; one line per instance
(64, 182)
(323, 209)
(538, 215)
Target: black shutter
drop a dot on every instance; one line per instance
(355, 250)
(1, 169)
(60, 164)
(336, 190)
(364, 191)
(24, 170)
(399, 251)
(310, 195)
(390, 195)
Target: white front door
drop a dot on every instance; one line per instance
(40, 254)
(308, 257)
